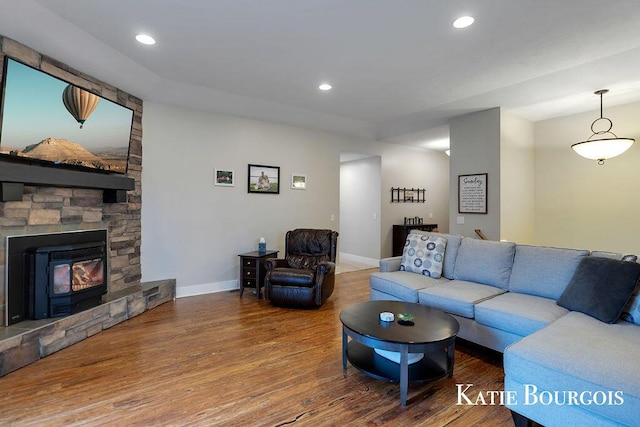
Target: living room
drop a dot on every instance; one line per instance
(540, 191)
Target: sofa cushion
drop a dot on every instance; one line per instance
(451, 253)
(601, 287)
(424, 255)
(578, 352)
(543, 271)
(401, 284)
(457, 296)
(484, 261)
(520, 314)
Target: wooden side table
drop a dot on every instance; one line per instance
(400, 233)
(252, 270)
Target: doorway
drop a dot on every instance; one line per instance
(360, 209)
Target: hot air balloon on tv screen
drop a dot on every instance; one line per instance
(79, 103)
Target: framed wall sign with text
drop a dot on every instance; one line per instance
(472, 193)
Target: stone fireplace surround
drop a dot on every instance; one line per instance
(53, 209)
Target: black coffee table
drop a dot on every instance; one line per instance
(433, 333)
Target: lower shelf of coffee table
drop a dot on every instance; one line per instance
(431, 367)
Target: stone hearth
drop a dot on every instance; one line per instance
(30, 340)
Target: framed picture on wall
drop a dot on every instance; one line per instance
(472, 193)
(224, 178)
(264, 179)
(298, 181)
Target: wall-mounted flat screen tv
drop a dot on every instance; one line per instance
(49, 121)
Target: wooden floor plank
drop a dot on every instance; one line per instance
(220, 359)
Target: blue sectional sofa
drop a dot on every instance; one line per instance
(562, 366)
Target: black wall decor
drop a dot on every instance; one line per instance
(408, 195)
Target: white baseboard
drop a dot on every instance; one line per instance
(206, 288)
(359, 259)
(230, 285)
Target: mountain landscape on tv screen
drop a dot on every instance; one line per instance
(61, 151)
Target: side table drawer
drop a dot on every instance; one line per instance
(249, 283)
(248, 272)
(249, 263)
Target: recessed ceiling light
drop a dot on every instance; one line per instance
(463, 22)
(325, 86)
(145, 39)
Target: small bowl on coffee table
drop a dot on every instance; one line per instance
(406, 319)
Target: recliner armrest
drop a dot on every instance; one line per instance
(271, 263)
(324, 283)
(390, 264)
(326, 267)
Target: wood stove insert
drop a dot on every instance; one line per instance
(54, 275)
(63, 280)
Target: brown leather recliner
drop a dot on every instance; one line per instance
(306, 276)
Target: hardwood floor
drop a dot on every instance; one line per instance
(221, 360)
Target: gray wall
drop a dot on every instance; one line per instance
(475, 148)
(413, 168)
(193, 230)
(540, 191)
(517, 180)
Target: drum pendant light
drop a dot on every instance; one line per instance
(602, 144)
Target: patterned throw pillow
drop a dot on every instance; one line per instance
(423, 255)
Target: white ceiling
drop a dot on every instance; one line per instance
(399, 69)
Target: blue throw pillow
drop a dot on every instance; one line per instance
(600, 287)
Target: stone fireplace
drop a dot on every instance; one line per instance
(46, 210)
(36, 200)
(69, 206)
